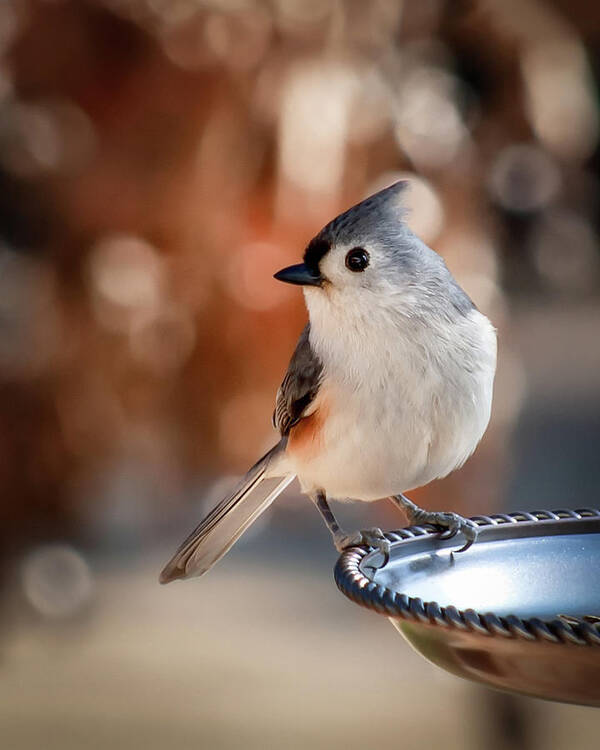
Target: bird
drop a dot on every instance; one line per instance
(390, 385)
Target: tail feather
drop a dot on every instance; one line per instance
(227, 521)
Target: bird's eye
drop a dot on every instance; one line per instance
(357, 259)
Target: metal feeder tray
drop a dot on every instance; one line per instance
(518, 611)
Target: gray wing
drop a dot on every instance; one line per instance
(299, 387)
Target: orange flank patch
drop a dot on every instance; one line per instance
(304, 440)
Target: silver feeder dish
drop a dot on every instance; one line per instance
(518, 611)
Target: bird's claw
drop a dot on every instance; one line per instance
(374, 538)
(453, 524)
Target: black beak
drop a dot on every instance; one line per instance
(299, 275)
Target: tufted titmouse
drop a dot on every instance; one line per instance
(390, 385)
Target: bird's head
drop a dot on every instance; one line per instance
(368, 254)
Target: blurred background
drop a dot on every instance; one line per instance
(159, 160)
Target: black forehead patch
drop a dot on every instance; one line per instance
(315, 250)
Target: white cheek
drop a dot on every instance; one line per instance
(333, 268)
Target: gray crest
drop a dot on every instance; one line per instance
(379, 215)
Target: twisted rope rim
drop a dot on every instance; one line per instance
(561, 630)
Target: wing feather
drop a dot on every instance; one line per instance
(299, 386)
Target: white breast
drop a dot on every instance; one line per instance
(407, 403)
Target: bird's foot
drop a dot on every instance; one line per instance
(374, 538)
(452, 524)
